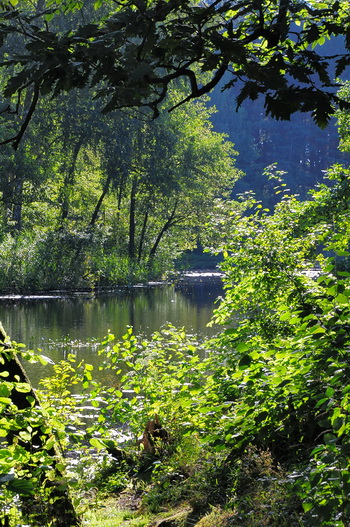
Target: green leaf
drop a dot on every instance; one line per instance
(245, 361)
(329, 392)
(4, 478)
(97, 443)
(307, 506)
(330, 439)
(294, 320)
(25, 436)
(318, 329)
(329, 267)
(49, 17)
(4, 390)
(285, 316)
(321, 402)
(241, 347)
(230, 331)
(23, 387)
(342, 299)
(21, 486)
(315, 478)
(50, 443)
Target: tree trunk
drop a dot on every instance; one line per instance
(17, 206)
(13, 197)
(58, 507)
(132, 226)
(99, 203)
(69, 181)
(7, 198)
(169, 223)
(120, 191)
(142, 236)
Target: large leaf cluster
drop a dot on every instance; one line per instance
(134, 54)
(165, 376)
(277, 377)
(284, 354)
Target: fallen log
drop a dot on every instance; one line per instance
(53, 506)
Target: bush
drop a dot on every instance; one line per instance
(68, 260)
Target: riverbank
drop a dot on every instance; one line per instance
(249, 492)
(185, 277)
(113, 513)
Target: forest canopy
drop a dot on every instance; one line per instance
(129, 53)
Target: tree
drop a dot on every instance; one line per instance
(23, 175)
(134, 55)
(110, 186)
(177, 167)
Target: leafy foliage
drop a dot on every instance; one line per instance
(30, 459)
(277, 378)
(164, 377)
(285, 360)
(133, 55)
(108, 200)
(267, 399)
(343, 120)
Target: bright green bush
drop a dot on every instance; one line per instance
(284, 352)
(166, 375)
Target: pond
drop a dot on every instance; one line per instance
(59, 324)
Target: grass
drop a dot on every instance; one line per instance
(247, 492)
(109, 515)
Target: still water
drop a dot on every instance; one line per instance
(59, 325)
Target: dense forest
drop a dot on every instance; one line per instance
(114, 162)
(95, 200)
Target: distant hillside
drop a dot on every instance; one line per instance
(298, 146)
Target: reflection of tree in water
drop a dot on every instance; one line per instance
(146, 296)
(200, 293)
(139, 300)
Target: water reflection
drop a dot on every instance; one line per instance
(59, 326)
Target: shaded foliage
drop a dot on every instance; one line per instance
(132, 56)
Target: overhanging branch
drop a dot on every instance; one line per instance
(15, 140)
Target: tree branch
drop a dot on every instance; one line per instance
(17, 138)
